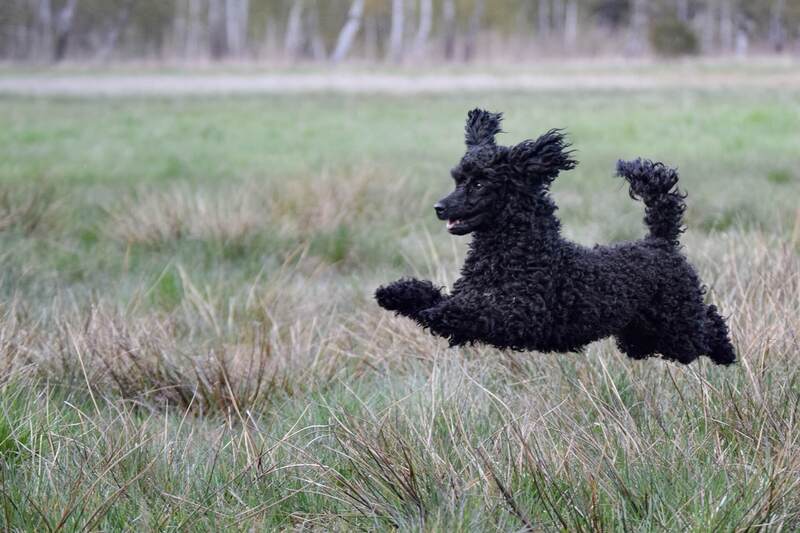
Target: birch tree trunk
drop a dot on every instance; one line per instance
(638, 30)
(742, 42)
(294, 30)
(117, 27)
(473, 30)
(349, 31)
(217, 41)
(726, 33)
(449, 23)
(44, 30)
(396, 32)
(543, 19)
(236, 23)
(682, 10)
(425, 25)
(777, 31)
(557, 15)
(180, 28)
(571, 24)
(710, 25)
(63, 29)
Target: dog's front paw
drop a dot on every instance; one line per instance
(407, 295)
(390, 297)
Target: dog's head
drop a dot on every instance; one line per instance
(490, 177)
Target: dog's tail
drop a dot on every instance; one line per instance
(656, 185)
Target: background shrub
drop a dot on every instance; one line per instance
(672, 37)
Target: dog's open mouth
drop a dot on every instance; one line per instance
(459, 226)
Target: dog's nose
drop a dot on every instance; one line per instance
(439, 208)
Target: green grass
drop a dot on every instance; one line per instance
(188, 340)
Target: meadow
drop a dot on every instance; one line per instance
(188, 339)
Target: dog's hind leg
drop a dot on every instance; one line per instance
(700, 331)
(636, 341)
(673, 341)
(720, 347)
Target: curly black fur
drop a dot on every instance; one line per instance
(525, 287)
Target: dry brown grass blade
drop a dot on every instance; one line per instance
(507, 495)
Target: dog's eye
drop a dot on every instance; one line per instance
(478, 184)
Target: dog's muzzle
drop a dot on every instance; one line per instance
(439, 207)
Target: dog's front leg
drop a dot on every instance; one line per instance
(409, 296)
(461, 320)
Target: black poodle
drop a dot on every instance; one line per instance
(523, 286)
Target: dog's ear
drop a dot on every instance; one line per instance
(543, 158)
(481, 128)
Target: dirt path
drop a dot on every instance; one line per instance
(209, 84)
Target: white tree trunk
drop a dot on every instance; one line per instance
(194, 29)
(449, 23)
(217, 41)
(396, 32)
(557, 15)
(349, 31)
(180, 30)
(44, 32)
(710, 25)
(425, 25)
(777, 30)
(471, 46)
(63, 28)
(726, 30)
(294, 30)
(743, 27)
(742, 42)
(543, 19)
(638, 30)
(117, 27)
(571, 24)
(682, 10)
(231, 26)
(236, 22)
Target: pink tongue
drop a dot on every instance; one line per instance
(451, 223)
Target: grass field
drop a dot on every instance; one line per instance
(188, 339)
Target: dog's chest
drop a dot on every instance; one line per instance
(495, 283)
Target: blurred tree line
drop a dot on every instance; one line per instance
(390, 30)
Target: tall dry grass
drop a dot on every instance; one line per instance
(331, 414)
(296, 207)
